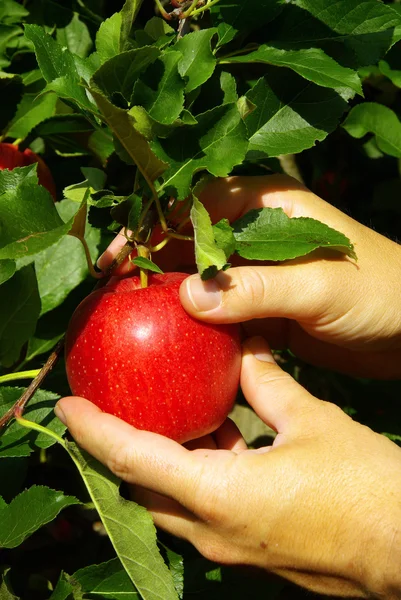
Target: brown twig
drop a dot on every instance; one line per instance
(18, 408)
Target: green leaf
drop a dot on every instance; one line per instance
(12, 12)
(6, 592)
(356, 33)
(120, 73)
(31, 111)
(198, 62)
(19, 312)
(393, 74)
(291, 114)
(145, 263)
(176, 566)
(216, 143)
(224, 237)
(29, 220)
(160, 90)
(268, 234)
(11, 91)
(29, 511)
(63, 266)
(380, 120)
(113, 34)
(136, 146)
(75, 36)
(7, 270)
(15, 440)
(311, 63)
(129, 13)
(64, 589)
(54, 60)
(159, 32)
(108, 37)
(237, 16)
(58, 66)
(129, 527)
(209, 257)
(107, 580)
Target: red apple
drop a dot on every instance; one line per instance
(11, 157)
(138, 355)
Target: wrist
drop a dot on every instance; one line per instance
(382, 574)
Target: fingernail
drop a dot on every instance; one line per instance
(260, 349)
(58, 411)
(204, 295)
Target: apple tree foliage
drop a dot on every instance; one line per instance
(133, 106)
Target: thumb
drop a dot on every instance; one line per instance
(275, 396)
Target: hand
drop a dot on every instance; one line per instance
(329, 310)
(320, 507)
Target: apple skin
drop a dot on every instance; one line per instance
(11, 157)
(138, 355)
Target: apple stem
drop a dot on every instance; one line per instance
(143, 273)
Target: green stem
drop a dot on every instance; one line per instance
(143, 273)
(162, 218)
(162, 11)
(95, 274)
(21, 375)
(202, 9)
(188, 13)
(36, 427)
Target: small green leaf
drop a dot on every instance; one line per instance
(310, 63)
(209, 257)
(15, 440)
(119, 74)
(7, 270)
(29, 220)
(6, 592)
(145, 263)
(224, 237)
(62, 267)
(108, 37)
(268, 234)
(216, 143)
(291, 114)
(29, 511)
(380, 120)
(130, 529)
(75, 36)
(198, 62)
(31, 111)
(160, 90)
(19, 312)
(107, 580)
(235, 16)
(137, 147)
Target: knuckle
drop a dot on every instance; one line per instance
(119, 461)
(249, 289)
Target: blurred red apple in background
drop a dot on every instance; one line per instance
(11, 157)
(138, 355)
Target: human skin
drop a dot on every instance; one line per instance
(322, 506)
(329, 310)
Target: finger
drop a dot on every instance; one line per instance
(276, 397)
(167, 514)
(232, 197)
(228, 437)
(139, 457)
(303, 291)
